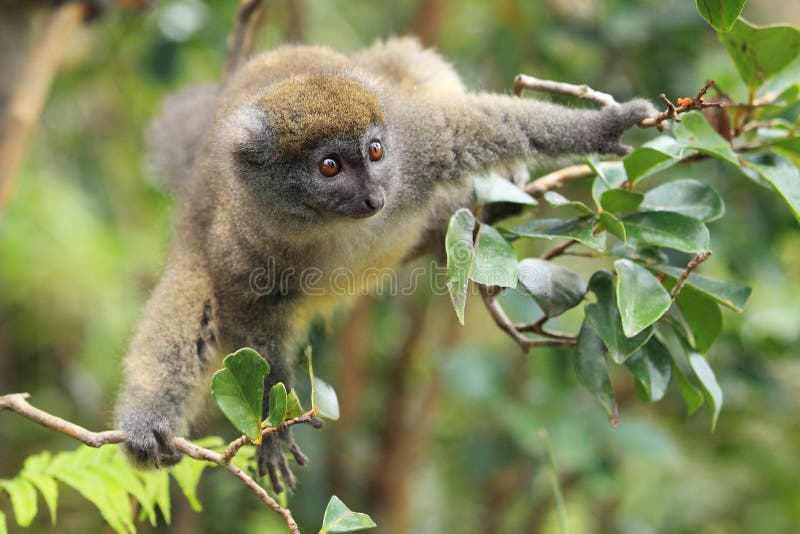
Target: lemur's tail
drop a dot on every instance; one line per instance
(176, 135)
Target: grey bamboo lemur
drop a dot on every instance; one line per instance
(311, 159)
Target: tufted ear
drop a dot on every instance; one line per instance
(247, 135)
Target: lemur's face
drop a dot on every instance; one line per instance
(314, 149)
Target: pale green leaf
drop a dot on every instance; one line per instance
(23, 499)
(694, 132)
(495, 262)
(708, 381)
(339, 518)
(580, 229)
(460, 249)
(495, 188)
(555, 289)
(325, 400)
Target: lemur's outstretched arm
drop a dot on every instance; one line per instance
(169, 362)
(451, 138)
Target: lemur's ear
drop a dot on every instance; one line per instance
(247, 133)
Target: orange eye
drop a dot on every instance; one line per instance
(375, 151)
(329, 167)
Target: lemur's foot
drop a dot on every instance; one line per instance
(616, 120)
(149, 438)
(273, 462)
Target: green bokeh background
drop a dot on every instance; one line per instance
(444, 433)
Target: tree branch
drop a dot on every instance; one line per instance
(240, 41)
(501, 319)
(18, 403)
(696, 261)
(30, 92)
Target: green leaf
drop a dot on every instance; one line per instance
(293, 406)
(277, 404)
(239, 388)
(721, 14)
(557, 200)
(495, 262)
(613, 226)
(606, 322)
(3, 524)
(324, 400)
(730, 294)
(187, 474)
(692, 396)
(34, 471)
(667, 229)
(652, 367)
(460, 250)
(608, 177)
(777, 85)
(785, 178)
(495, 188)
(641, 298)
(23, 499)
(339, 518)
(591, 368)
(580, 229)
(617, 200)
(760, 52)
(654, 156)
(157, 485)
(708, 382)
(687, 197)
(555, 289)
(703, 316)
(695, 132)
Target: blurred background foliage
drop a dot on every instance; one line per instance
(442, 426)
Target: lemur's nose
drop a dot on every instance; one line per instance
(374, 201)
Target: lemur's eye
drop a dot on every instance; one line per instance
(375, 151)
(330, 166)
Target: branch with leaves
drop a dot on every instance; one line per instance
(240, 403)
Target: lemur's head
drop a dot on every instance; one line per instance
(312, 149)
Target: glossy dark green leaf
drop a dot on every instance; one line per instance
(730, 294)
(580, 229)
(277, 404)
(654, 156)
(608, 177)
(238, 390)
(641, 298)
(696, 133)
(617, 200)
(721, 14)
(460, 251)
(555, 289)
(760, 52)
(677, 348)
(785, 178)
(613, 226)
(339, 518)
(606, 322)
(703, 316)
(591, 368)
(652, 367)
(708, 381)
(495, 262)
(557, 200)
(493, 187)
(687, 197)
(667, 229)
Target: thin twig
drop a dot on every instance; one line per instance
(240, 41)
(501, 319)
(234, 446)
(30, 92)
(696, 261)
(558, 178)
(18, 403)
(538, 328)
(559, 250)
(523, 81)
(673, 111)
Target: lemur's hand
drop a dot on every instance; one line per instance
(616, 120)
(272, 460)
(149, 437)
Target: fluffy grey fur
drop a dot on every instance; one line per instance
(244, 162)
